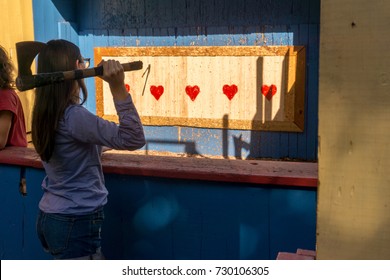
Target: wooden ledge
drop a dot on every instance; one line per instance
(20, 156)
(281, 173)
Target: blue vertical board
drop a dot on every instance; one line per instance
(101, 23)
(179, 219)
(11, 209)
(68, 31)
(47, 16)
(86, 47)
(18, 238)
(32, 246)
(293, 220)
(312, 96)
(168, 143)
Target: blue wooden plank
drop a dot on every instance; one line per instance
(68, 31)
(152, 15)
(145, 37)
(312, 92)
(314, 12)
(18, 238)
(178, 14)
(169, 143)
(32, 248)
(38, 6)
(67, 9)
(89, 14)
(217, 35)
(237, 144)
(284, 148)
(131, 38)
(292, 220)
(165, 36)
(86, 46)
(11, 218)
(178, 219)
(116, 37)
(100, 38)
(51, 17)
(204, 142)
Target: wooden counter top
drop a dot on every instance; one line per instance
(269, 172)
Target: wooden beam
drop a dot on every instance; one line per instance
(263, 172)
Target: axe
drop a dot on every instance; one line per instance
(28, 50)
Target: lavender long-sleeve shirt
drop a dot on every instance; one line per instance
(75, 182)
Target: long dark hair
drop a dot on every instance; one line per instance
(6, 70)
(52, 100)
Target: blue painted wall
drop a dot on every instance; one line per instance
(96, 23)
(156, 218)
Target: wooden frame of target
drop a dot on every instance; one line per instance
(228, 87)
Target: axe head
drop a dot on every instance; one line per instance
(26, 52)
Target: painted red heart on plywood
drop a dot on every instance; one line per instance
(127, 87)
(192, 92)
(157, 91)
(230, 91)
(264, 90)
(269, 91)
(273, 90)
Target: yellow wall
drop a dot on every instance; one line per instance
(354, 130)
(16, 25)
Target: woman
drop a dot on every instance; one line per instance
(69, 140)
(12, 124)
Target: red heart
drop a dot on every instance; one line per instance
(264, 90)
(230, 91)
(269, 92)
(157, 91)
(127, 87)
(192, 92)
(273, 89)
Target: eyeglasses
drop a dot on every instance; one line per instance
(85, 62)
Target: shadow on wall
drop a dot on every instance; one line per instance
(205, 23)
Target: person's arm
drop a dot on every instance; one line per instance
(5, 126)
(114, 75)
(86, 127)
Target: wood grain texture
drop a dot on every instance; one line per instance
(354, 150)
(284, 174)
(212, 69)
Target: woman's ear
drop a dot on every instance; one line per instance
(78, 65)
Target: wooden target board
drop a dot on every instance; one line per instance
(234, 87)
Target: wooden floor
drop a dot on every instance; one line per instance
(301, 254)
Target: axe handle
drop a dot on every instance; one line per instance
(42, 79)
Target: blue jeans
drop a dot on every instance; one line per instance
(71, 236)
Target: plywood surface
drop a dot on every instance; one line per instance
(354, 116)
(256, 88)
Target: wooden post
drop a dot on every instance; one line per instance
(354, 131)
